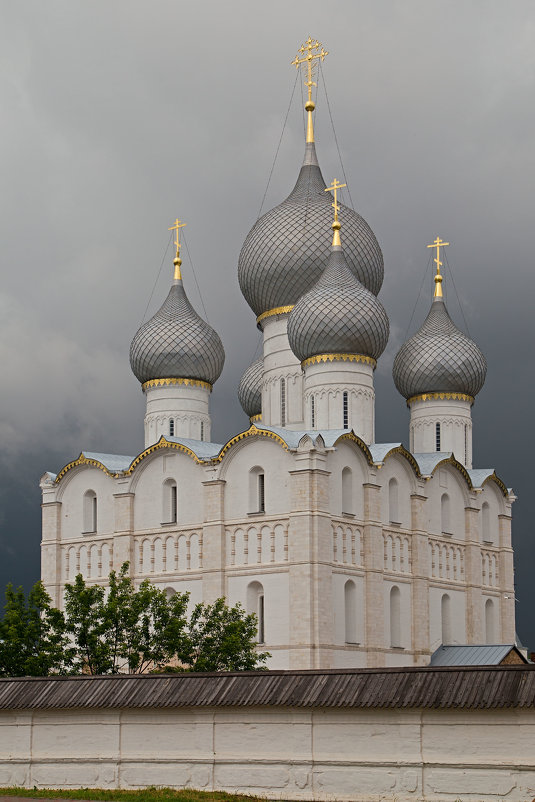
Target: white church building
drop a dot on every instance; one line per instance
(352, 552)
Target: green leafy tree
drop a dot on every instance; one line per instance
(222, 638)
(125, 629)
(33, 639)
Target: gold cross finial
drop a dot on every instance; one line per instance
(438, 244)
(177, 260)
(335, 186)
(311, 50)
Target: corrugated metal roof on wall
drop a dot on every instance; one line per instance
(488, 655)
(468, 688)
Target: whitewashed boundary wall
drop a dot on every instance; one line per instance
(422, 747)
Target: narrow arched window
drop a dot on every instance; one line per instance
(350, 611)
(347, 491)
(490, 622)
(202, 430)
(445, 614)
(445, 514)
(437, 436)
(169, 502)
(485, 523)
(312, 412)
(395, 617)
(257, 490)
(90, 511)
(283, 402)
(169, 593)
(345, 405)
(393, 510)
(171, 428)
(256, 605)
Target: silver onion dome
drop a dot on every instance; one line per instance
(439, 358)
(338, 315)
(176, 343)
(285, 252)
(250, 389)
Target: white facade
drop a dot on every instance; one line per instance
(363, 556)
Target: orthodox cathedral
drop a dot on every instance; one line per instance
(351, 552)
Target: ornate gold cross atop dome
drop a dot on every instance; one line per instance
(335, 186)
(438, 244)
(311, 50)
(177, 260)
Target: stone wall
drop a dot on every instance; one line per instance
(277, 752)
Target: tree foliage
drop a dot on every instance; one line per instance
(33, 639)
(123, 629)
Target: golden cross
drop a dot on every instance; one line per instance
(334, 187)
(178, 225)
(438, 244)
(308, 58)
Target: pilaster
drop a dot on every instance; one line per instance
(420, 585)
(506, 581)
(123, 541)
(213, 540)
(374, 583)
(309, 555)
(51, 550)
(474, 601)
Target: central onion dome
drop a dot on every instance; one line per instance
(439, 358)
(285, 252)
(338, 315)
(176, 343)
(250, 389)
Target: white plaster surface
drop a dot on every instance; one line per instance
(281, 753)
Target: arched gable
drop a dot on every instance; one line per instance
(82, 460)
(448, 494)
(397, 478)
(244, 463)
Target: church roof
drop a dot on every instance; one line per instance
(473, 655)
(439, 358)
(113, 462)
(287, 249)
(338, 315)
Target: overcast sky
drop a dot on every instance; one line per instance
(118, 116)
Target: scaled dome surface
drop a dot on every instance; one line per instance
(176, 343)
(439, 358)
(285, 252)
(250, 389)
(338, 315)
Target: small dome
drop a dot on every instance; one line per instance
(176, 343)
(338, 315)
(439, 358)
(285, 252)
(250, 389)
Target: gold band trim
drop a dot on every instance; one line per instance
(255, 418)
(83, 460)
(279, 310)
(441, 397)
(167, 382)
(314, 360)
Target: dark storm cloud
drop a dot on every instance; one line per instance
(119, 116)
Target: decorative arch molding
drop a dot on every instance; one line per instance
(353, 438)
(402, 451)
(162, 444)
(253, 431)
(493, 478)
(82, 460)
(458, 466)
